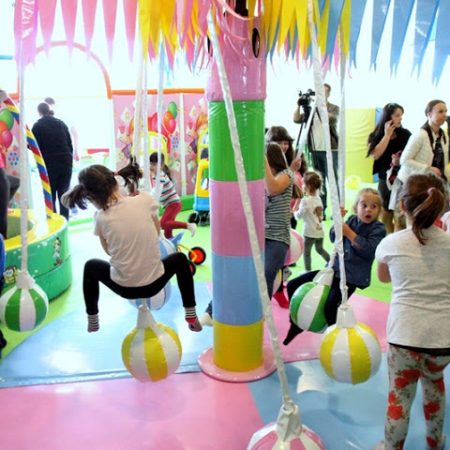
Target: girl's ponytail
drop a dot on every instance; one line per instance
(423, 200)
(131, 174)
(75, 197)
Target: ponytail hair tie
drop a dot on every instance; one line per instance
(430, 190)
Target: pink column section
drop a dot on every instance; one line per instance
(230, 237)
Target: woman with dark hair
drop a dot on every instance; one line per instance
(386, 144)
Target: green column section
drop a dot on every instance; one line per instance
(250, 124)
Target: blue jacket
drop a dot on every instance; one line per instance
(359, 257)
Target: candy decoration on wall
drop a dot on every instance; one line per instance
(350, 351)
(33, 146)
(24, 305)
(151, 351)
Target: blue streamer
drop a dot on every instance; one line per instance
(442, 43)
(321, 6)
(425, 15)
(357, 13)
(380, 12)
(334, 19)
(402, 15)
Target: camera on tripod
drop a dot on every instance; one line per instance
(304, 101)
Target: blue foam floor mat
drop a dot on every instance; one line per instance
(344, 416)
(63, 351)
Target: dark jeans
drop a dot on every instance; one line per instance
(8, 187)
(319, 159)
(59, 177)
(274, 256)
(98, 271)
(334, 298)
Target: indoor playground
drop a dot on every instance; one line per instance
(199, 82)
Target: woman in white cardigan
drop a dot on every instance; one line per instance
(427, 151)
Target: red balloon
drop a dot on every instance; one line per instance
(152, 122)
(3, 126)
(169, 122)
(6, 138)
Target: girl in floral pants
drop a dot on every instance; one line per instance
(406, 367)
(416, 261)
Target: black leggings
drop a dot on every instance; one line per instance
(8, 187)
(334, 298)
(98, 271)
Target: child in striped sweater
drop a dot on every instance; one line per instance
(169, 198)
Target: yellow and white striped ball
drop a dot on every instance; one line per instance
(23, 309)
(350, 355)
(152, 353)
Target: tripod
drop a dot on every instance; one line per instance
(303, 133)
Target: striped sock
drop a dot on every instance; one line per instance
(191, 318)
(93, 323)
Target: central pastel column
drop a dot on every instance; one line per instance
(237, 311)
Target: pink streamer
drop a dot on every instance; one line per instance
(89, 10)
(25, 29)
(109, 16)
(47, 9)
(69, 13)
(130, 9)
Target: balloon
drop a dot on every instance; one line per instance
(173, 109)
(6, 138)
(7, 117)
(3, 126)
(353, 182)
(169, 122)
(152, 122)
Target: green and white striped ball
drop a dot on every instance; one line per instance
(307, 306)
(23, 309)
(350, 355)
(151, 353)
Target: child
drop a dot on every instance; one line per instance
(445, 220)
(311, 211)
(279, 183)
(362, 233)
(169, 199)
(416, 261)
(128, 229)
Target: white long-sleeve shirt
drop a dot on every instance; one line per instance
(308, 211)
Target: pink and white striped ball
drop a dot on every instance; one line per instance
(267, 439)
(295, 249)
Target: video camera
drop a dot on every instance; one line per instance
(304, 101)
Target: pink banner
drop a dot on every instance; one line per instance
(109, 16)
(47, 9)
(69, 13)
(195, 131)
(130, 9)
(25, 29)
(89, 10)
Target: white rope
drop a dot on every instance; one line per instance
(144, 121)
(23, 164)
(342, 140)
(322, 107)
(288, 404)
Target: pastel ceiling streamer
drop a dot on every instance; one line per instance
(109, 17)
(47, 9)
(402, 15)
(69, 13)
(379, 14)
(442, 42)
(357, 13)
(130, 11)
(425, 16)
(89, 11)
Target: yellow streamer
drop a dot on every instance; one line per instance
(345, 27)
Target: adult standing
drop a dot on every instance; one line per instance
(427, 151)
(316, 140)
(386, 143)
(55, 144)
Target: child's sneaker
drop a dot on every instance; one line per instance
(281, 299)
(194, 324)
(192, 228)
